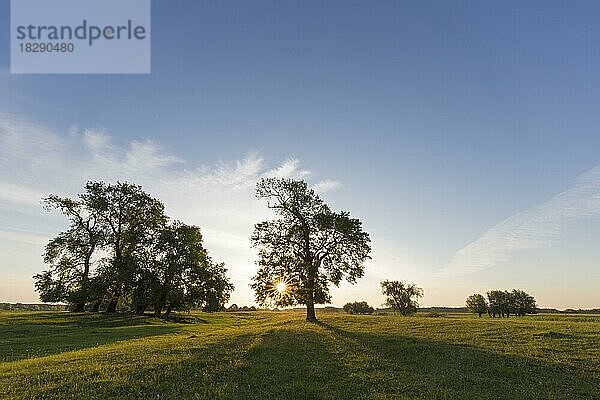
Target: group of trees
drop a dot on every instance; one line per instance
(502, 303)
(120, 249)
(400, 296)
(403, 298)
(308, 247)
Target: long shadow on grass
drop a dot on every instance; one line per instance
(418, 368)
(279, 364)
(193, 370)
(45, 334)
(304, 361)
(292, 364)
(331, 363)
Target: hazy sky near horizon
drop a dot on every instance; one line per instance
(465, 136)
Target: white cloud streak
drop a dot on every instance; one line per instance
(23, 237)
(326, 186)
(534, 228)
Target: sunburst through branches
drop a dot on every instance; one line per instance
(281, 290)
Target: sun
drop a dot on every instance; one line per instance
(281, 287)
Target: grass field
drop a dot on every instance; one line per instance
(279, 356)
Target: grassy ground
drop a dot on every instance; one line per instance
(278, 356)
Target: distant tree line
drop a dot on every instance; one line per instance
(235, 308)
(502, 303)
(31, 307)
(121, 250)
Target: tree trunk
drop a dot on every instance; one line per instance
(79, 307)
(168, 312)
(310, 292)
(141, 309)
(85, 281)
(310, 307)
(112, 306)
(479, 315)
(95, 307)
(160, 304)
(162, 301)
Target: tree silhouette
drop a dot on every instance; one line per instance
(306, 248)
(401, 296)
(477, 304)
(130, 219)
(499, 303)
(140, 259)
(70, 254)
(522, 303)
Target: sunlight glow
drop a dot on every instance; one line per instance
(281, 287)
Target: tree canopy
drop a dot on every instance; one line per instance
(522, 303)
(499, 302)
(70, 253)
(120, 248)
(306, 248)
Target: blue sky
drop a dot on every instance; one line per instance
(449, 128)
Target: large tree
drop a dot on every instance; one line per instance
(213, 289)
(131, 219)
(306, 248)
(185, 274)
(401, 297)
(70, 254)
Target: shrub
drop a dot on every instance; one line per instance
(358, 307)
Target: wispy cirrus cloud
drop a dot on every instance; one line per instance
(535, 228)
(326, 185)
(23, 237)
(14, 193)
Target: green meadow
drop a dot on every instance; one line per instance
(277, 355)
